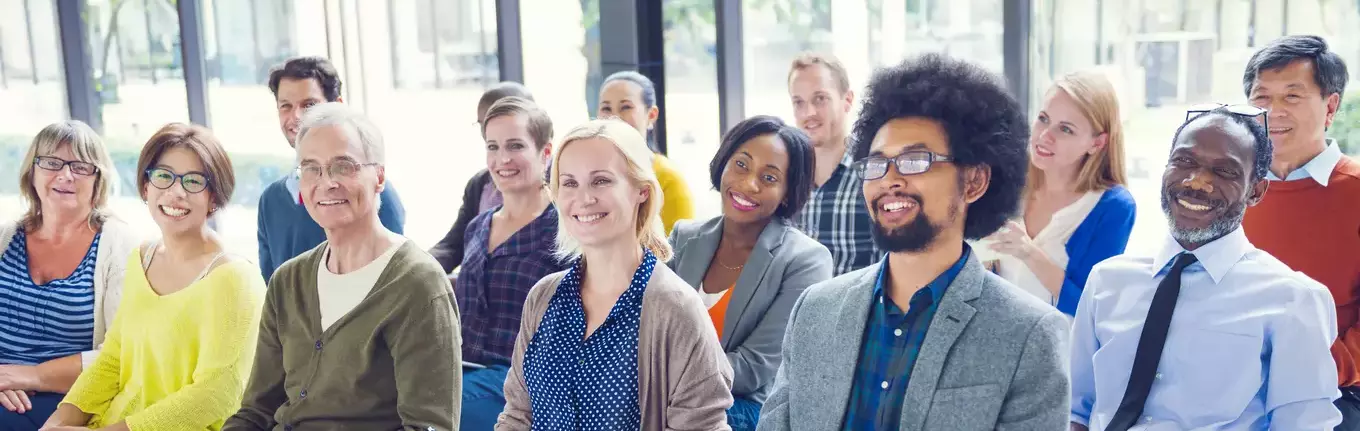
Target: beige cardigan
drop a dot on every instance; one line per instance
(684, 380)
(116, 242)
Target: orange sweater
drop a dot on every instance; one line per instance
(1316, 230)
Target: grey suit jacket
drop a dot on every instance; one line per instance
(993, 358)
(783, 264)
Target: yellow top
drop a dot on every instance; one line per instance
(178, 361)
(676, 203)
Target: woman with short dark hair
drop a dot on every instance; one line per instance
(751, 261)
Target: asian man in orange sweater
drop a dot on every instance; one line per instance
(1310, 219)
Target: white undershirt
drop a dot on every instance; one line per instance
(710, 299)
(1053, 241)
(340, 293)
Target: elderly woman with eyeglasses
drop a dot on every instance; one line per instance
(361, 332)
(177, 354)
(61, 272)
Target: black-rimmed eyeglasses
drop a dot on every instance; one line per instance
(908, 163)
(1242, 110)
(56, 164)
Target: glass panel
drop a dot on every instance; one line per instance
(692, 128)
(561, 41)
(775, 32)
(967, 29)
(32, 88)
(139, 77)
(422, 65)
(243, 40)
(1166, 55)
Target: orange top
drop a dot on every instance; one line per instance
(718, 312)
(1314, 230)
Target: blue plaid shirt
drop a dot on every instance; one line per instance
(493, 284)
(892, 339)
(837, 217)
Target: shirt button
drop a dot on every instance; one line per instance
(884, 385)
(1147, 419)
(303, 394)
(897, 332)
(1159, 376)
(287, 428)
(318, 344)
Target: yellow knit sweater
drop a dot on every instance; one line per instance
(676, 203)
(178, 361)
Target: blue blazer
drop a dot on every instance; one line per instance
(1102, 235)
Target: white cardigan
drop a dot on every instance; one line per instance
(115, 245)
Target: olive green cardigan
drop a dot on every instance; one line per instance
(393, 362)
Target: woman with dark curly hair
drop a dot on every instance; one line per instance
(942, 150)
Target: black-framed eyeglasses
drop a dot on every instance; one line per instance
(908, 163)
(338, 169)
(1243, 110)
(162, 178)
(56, 164)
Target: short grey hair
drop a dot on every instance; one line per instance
(362, 131)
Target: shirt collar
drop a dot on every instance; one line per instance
(1217, 257)
(294, 189)
(1319, 169)
(936, 287)
(848, 160)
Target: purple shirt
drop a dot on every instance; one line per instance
(492, 286)
(491, 197)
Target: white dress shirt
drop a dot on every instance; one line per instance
(1319, 169)
(1248, 348)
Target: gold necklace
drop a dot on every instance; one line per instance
(738, 267)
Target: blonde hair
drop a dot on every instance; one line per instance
(1096, 98)
(635, 152)
(88, 148)
(830, 62)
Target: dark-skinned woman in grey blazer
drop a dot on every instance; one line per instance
(750, 264)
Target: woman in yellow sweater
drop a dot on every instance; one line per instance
(180, 347)
(631, 97)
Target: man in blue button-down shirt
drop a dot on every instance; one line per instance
(1248, 342)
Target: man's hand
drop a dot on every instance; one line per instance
(18, 377)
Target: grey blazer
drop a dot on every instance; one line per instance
(783, 264)
(994, 358)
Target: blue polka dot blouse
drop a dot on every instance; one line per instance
(578, 383)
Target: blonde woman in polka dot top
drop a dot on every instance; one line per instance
(617, 341)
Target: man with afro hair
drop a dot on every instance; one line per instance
(927, 338)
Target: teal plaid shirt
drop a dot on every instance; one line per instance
(892, 340)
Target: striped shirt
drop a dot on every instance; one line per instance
(892, 341)
(837, 217)
(39, 323)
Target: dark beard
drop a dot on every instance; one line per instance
(914, 237)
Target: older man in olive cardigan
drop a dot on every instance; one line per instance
(361, 332)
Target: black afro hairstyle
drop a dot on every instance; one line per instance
(983, 122)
